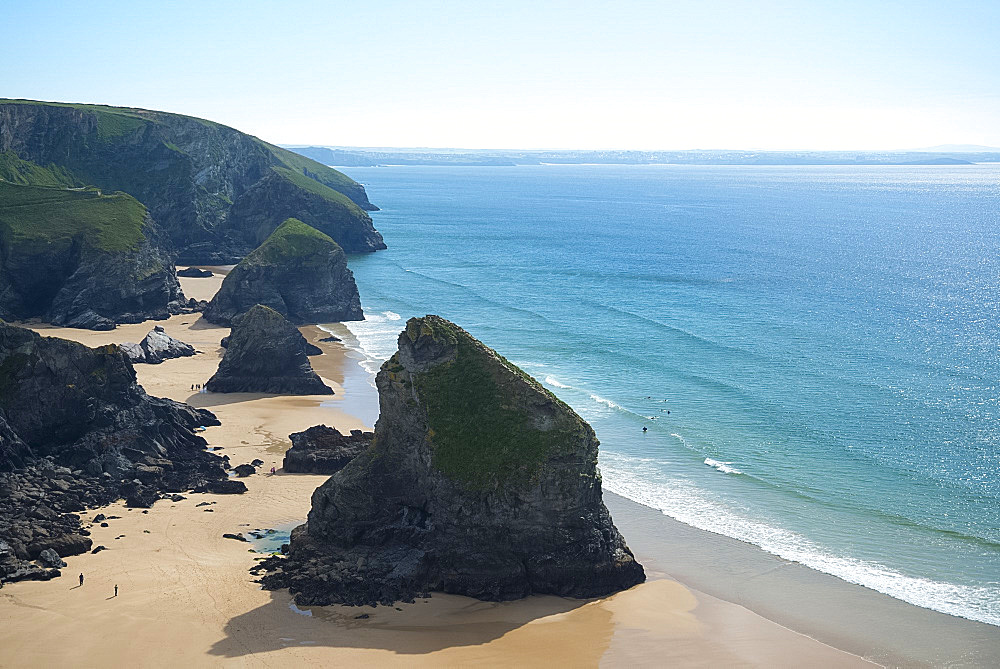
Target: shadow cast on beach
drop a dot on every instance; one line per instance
(427, 626)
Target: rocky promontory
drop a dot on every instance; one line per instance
(216, 192)
(77, 431)
(156, 347)
(78, 258)
(479, 482)
(299, 272)
(324, 450)
(266, 354)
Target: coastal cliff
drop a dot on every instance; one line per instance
(478, 482)
(216, 192)
(78, 258)
(77, 431)
(299, 272)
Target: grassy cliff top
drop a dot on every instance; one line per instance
(117, 122)
(489, 423)
(293, 239)
(49, 216)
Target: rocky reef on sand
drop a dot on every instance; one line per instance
(324, 450)
(77, 431)
(299, 272)
(478, 482)
(266, 354)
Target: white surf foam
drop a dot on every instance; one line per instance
(556, 383)
(606, 402)
(724, 467)
(642, 482)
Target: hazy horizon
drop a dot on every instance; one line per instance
(774, 75)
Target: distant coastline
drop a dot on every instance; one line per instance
(376, 157)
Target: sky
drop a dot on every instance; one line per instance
(671, 74)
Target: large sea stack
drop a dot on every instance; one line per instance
(266, 354)
(479, 482)
(299, 272)
(78, 258)
(77, 431)
(216, 192)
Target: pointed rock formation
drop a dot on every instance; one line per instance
(266, 354)
(156, 347)
(299, 272)
(479, 482)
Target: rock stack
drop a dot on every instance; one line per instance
(266, 354)
(299, 272)
(479, 482)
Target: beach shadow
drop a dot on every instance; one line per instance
(75, 587)
(202, 324)
(454, 622)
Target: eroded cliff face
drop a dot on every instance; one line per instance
(479, 482)
(77, 431)
(299, 272)
(82, 259)
(191, 174)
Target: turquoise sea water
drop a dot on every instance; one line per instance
(825, 339)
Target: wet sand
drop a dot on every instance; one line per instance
(186, 597)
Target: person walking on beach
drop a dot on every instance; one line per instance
(81, 580)
(116, 589)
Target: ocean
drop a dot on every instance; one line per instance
(813, 351)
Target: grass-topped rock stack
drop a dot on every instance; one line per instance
(299, 272)
(78, 258)
(216, 192)
(478, 482)
(266, 354)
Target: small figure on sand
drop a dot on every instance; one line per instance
(192, 386)
(272, 471)
(116, 589)
(81, 580)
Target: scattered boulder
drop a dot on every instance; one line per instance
(266, 354)
(330, 338)
(324, 450)
(256, 462)
(195, 273)
(479, 482)
(223, 487)
(49, 559)
(98, 549)
(237, 537)
(244, 470)
(156, 347)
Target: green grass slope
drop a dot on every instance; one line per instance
(47, 218)
(293, 239)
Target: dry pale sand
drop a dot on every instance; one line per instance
(186, 597)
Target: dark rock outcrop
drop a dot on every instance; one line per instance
(156, 347)
(216, 192)
(324, 450)
(84, 434)
(80, 259)
(479, 482)
(244, 470)
(195, 273)
(266, 354)
(299, 272)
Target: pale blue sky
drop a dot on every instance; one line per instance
(656, 75)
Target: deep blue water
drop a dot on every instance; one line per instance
(825, 339)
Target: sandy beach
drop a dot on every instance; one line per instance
(186, 597)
